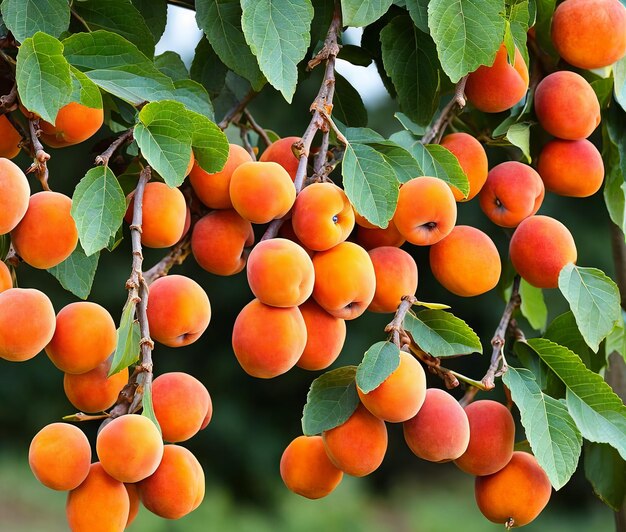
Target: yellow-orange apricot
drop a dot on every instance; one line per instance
(286, 231)
(27, 323)
(9, 139)
(47, 233)
(192, 161)
(280, 152)
(492, 436)
(268, 341)
(498, 87)
(426, 210)
(516, 494)
(322, 216)
(60, 456)
(473, 160)
(75, 123)
(133, 499)
(566, 105)
(176, 488)
(345, 281)
(213, 189)
(396, 276)
(466, 262)
(571, 167)
(377, 237)
(440, 431)
(539, 249)
(400, 396)
(14, 195)
(6, 281)
(306, 469)
(261, 192)
(208, 416)
(219, 240)
(130, 448)
(325, 336)
(590, 33)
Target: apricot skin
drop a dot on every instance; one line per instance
(325, 336)
(377, 237)
(74, 124)
(280, 152)
(473, 160)
(133, 498)
(9, 139)
(396, 276)
(93, 391)
(6, 281)
(14, 195)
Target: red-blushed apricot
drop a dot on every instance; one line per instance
(473, 160)
(539, 249)
(14, 195)
(306, 469)
(345, 281)
(513, 191)
(566, 105)
(261, 192)
(6, 281)
(181, 403)
(47, 233)
(84, 337)
(400, 396)
(60, 456)
(280, 273)
(74, 123)
(94, 391)
(134, 501)
(214, 189)
(280, 152)
(9, 139)
(516, 494)
(466, 262)
(179, 310)
(322, 216)
(440, 431)
(208, 416)
(130, 448)
(396, 276)
(426, 210)
(219, 240)
(571, 167)
(27, 323)
(590, 33)
(357, 446)
(498, 87)
(176, 488)
(268, 341)
(325, 336)
(492, 436)
(99, 504)
(377, 237)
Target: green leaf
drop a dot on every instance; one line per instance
(348, 106)
(5, 245)
(615, 341)
(467, 33)
(409, 125)
(603, 88)
(171, 64)
(194, 97)
(544, 376)
(401, 161)
(207, 69)
(360, 135)
(533, 306)
(441, 334)
(147, 406)
(518, 18)
(128, 338)
(98, 207)
(356, 55)
(26, 17)
(619, 72)
(519, 136)
(380, 361)
(418, 9)
(551, 431)
(77, 272)
(331, 401)
(154, 13)
(594, 299)
(210, 145)
(614, 157)
(545, 10)
(605, 469)
(85, 91)
(564, 331)
(358, 13)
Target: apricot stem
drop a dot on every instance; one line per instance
(8, 102)
(394, 327)
(39, 155)
(106, 155)
(235, 112)
(257, 128)
(176, 256)
(447, 114)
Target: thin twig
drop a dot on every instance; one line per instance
(176, 256)
(394, 328)
(106, 155)
(257, 128)
(8, 102)
(40, 156)
(447, 113)
(235, 112)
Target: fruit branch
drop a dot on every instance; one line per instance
(40, 156)
(106, 155)
(447, 114)
(236, 111)
(394, 327)
(176, 256)
(257, 128)
(8, 102)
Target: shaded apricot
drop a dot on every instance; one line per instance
(396, 276)
(14, 195)
(280, 152)
(208, 416)
(473, 160)
(286, 231)
(74, 123)
(325, 336)
(362, 221)
(9, 139)
(377, 237)
(133, 499)
(6, 280)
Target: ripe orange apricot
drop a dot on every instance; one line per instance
(516, 494)
(14, 195)
(396, 276)
(94, 391)
(6, 281)
(377, 237)
(473, 160)
(306, 469)
(280, 152)
(9, 139)
(133, 499)
(325, 336)
(466, 262)
(286, 231)
(75, 123)
(498, 87)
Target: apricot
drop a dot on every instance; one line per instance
(181, 402)
(426, 210)
(571, 167)
(74, 124)
(84, 337)
(47, 233)
(345, 280)
(6, 281)
(500, 86)
(539, 249)
(214, 189)
(9, 139)
(133, 499)
(377, 237)
(306, 469)
(325, 336)
(14, 195)
(179, 310)
(27, 323)
(286, 231)
(99, 504)
(219, 240)
(60, 456)
(401, 395)
(492, 436)
(176, 488)
(590, 33)
(130, 447)
(516, 494)
(466, 262)
(566, 106)
(440, 431)
(268, 341)
(473, 160)
(396, 276)
(322, 216)
(261, 192)
(280, 152)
